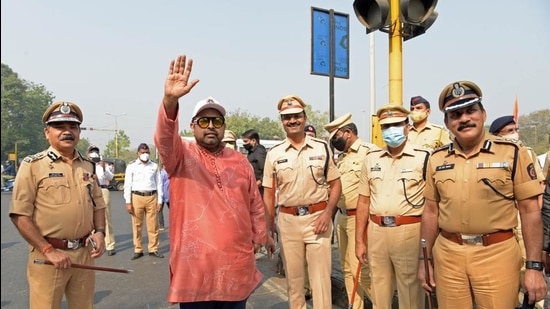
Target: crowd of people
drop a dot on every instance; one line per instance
(400, 224)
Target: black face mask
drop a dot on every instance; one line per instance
(338, 143)
(248, 147)
(96, 160)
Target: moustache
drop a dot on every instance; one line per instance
(67, 138)
(466, 125)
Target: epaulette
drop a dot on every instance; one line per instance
(438, 126)
(35, 157)
(447, 147)
(319, 140)
(277, 145)
(376, 150)
(422, 149)
(503, 140)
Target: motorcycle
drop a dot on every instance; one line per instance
(8, 185)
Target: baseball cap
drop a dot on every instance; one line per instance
(207, 103)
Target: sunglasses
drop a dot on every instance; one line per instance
(203, 122)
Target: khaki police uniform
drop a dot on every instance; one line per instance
(475, 253)
(431, 136)
(302, 177)
(349, 164)
(61, 198)
(395, 188)
(493, 270)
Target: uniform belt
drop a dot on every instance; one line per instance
(303, 210)
(145, 193)
(104, 186)
(66, 244)
(348, 212)
(394, 220)
(484, 239)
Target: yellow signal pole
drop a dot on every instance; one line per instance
(396, 55)
(395, 69)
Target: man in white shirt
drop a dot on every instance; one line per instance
(104, 176)
(143, 195)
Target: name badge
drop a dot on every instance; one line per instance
(51, 175)
(282, 161)
(445, 167)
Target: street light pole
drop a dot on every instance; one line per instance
(116, 130)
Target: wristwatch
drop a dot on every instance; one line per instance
(536, 265)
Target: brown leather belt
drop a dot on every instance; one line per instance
(66, 244)
(349, 212)
(484, 239)
(303, 210)
(145, 193)
(394, 220)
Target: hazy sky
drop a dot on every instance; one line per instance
(113, 56)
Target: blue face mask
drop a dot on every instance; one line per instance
(394, 136)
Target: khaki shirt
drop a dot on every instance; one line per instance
(468, 205)
(300, 172)
(546, 167)
(57, 195)
(394, 184)
(431, 136)
(349, 165)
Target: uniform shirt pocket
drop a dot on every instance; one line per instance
(445, 182)
(493, 180)
(57, 190)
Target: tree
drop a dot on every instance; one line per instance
(123, 142)
(535, 130)
(23, 104)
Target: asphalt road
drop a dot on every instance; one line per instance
(145, 287)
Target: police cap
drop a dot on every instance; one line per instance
(62, 112)
(500, 123)
(291, 104)
(392, 113)
(459, 95)
(337, 124)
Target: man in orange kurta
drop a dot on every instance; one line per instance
(217, 217)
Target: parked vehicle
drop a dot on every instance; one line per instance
(117, 184)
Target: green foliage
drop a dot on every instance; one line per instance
(23, 104)
(535, 130)
(122, 143)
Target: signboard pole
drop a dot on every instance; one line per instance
(331, 72)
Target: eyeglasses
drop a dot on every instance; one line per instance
(203, 122)
(509, 131)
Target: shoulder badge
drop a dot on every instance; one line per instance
(447, 147)
(35, 157)
(438, 126)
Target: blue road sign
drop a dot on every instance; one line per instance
(322, 21)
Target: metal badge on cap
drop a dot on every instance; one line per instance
(458, 90)
(65, 108)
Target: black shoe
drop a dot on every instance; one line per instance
(137, 256)
(156, 254)
(111, 252)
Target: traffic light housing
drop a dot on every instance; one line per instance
(416, 16)
(416, 12)
(373, 14)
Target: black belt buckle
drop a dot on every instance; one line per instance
(388, 221)
(73, 244)
(302, 210)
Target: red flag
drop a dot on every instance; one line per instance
(516, 111)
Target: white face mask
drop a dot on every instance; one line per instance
(144, 157)
(514, 136)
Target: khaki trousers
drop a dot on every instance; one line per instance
(393, 257)
(299, 245)
(109, 233)
(145, 207)
(48, 285)
(345, 232)
(488, 274)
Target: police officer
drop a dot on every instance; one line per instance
(506, 127)
(56, 206)
(390, 206)
(343, 137)
(230, 139)
(472, 186)
(104, 176)
(308, 185)
(422, 132)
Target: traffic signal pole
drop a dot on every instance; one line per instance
(395, 56)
